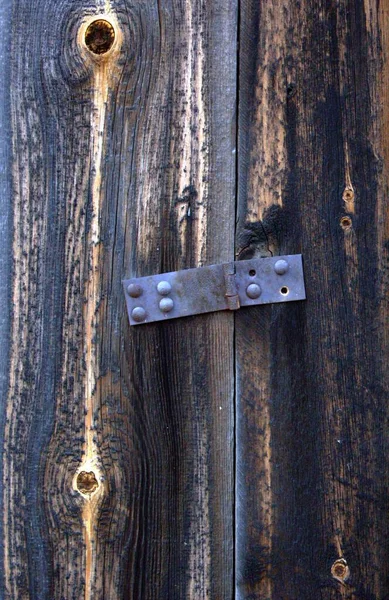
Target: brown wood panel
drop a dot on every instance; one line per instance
(118, 443)
(312, 377)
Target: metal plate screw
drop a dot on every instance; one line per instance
(134, 290)
(164, 288)
(166, 305)
(253, 291)
(281, 267)
(138, 314)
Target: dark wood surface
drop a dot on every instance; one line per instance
(193, 459)
(118, 443)
(312, 378)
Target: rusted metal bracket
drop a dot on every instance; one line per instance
(227, 286)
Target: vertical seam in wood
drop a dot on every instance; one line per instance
(235, 391)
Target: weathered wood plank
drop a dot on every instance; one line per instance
(312, 414)
(118, 444)
(5, 232)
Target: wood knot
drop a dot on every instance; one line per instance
(87, 482)
(348, 195)
(346, 222)
(99, 36)
(340, 570)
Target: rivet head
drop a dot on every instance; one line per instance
(134, 290)
(281, 267)
(253, 291)
(166, 305)
(164, 288)
(138, 314)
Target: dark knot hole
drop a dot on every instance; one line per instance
(99, 36)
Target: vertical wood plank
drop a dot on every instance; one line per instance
(118, 443)
(175, 453)
(312, 382)
(5, 234)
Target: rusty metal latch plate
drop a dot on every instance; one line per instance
(227, 286)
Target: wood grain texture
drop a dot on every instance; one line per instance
(5, 232)
(122, 164)
(117, 469)
(312, 378)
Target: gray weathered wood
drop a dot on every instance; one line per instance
(118, 444)
(117, 472)
(5, 229)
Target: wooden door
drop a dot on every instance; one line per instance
(228, 455)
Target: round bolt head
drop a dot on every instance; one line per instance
(164, 288)
(166, 305)
(253, 291)
(281, 267)
(138, 314)
(134, 290)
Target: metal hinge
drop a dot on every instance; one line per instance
(226, 286)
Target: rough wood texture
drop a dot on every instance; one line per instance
(118, 443)
(5, 234)
(117, 467)
(312, 378)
